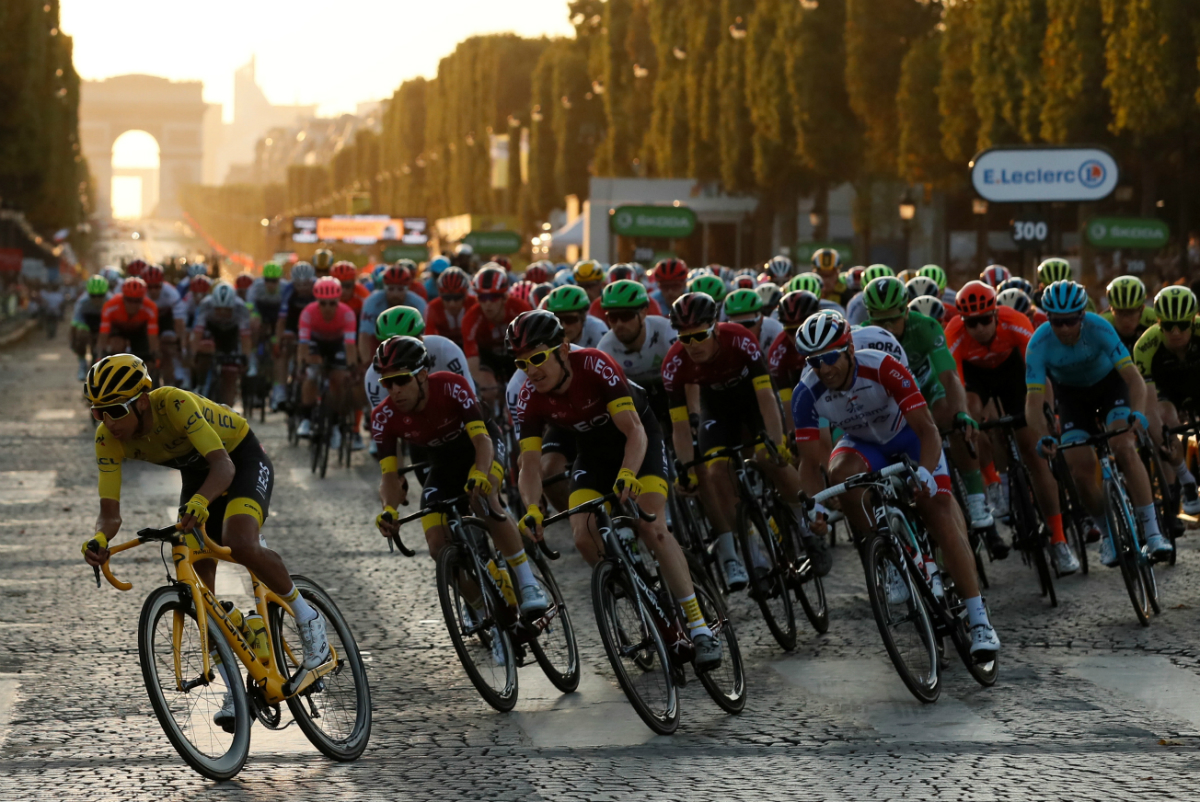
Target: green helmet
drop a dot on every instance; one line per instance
(567, 298)
(624, 294)
(1174, 304)
(1127, 292)
(885, 294)
(810, 282)
(97, 285)
(709, 285)
(399, 321)
(936, 273)
(874, 272)
(1052, 270)
(742, 302)
(272, 270)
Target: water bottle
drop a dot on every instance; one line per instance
(630, 540)
(256, 632)
(234, 615)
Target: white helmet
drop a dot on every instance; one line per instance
(780, 268)
(224, 296)
(197, 269)
(920, 286)
(303, 271)
(820, 332)
(111, 274)
(1016, 299)
(929, 306)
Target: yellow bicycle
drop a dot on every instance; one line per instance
(187, 641)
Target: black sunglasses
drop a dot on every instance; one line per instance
(570, 318)
(976, 321)
(621, 315)
(1065, 322)
(452, 298)
(398, 380)
(1175, 325)
(113, 411)
(828, 359)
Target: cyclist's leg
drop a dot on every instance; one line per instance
(721, 427)
(1165, 413)
(558, 451)
(848, 460)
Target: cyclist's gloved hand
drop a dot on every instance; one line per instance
(197, 509)
(478, 479)
(927, 480)
(95, 558)
(965, 421)
(1045, 444)
(386, 521)
(686, 481)
(531, 521)
(627, 481)
(1140, 418)
(784, 448)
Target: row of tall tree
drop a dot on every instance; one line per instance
(42, 169)
(780, 98)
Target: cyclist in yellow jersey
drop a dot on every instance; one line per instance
(227, 480)
(1127, 310)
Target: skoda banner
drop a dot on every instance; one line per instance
(1128, 232)
(1032, 175)
(673, 222)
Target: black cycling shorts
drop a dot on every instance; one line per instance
(1087, 410)
(449, 466)
(250, 490)
(728, 417)
(598, 461)
(559, 441)
(225, 341)
(332, 352)
(1005, 383)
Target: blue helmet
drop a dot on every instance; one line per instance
(437, 264)
(1064, 298)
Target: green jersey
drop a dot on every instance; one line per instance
(928, 357)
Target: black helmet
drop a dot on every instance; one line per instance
(796, 307)
(693, 309)
(400, 354)
(531, 329)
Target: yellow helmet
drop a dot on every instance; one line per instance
(116, 379)
(826, 260)
(588, 271)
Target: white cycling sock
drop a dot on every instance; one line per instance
(303, 610)
(215, 659)
(1185, 476)
(1149, 519)
(725, 547)
(519, 563)
(976, 613)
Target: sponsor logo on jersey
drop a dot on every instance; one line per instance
(602, 369)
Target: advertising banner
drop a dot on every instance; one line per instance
(1032, 175)
(360, 229)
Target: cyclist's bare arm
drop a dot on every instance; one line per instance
(351, 355)
(485, 452)
(921, 421)
(1137, 387)
(1034, 419)
(681, 436)
(768, 405)
(393, 490)
(220, 475)
(247, 345)
(635, 439)
(108, 522)
(302, 353)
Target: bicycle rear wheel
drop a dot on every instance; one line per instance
(1027, 520)
(726, 684)
(635, 648)
(484, 649)
(903, 621)
(1163, 493)
(334, 713)
(1072, 512)
(768, 585)
(984, 673)
(186, 715)
(554, 649)
(1119, 519)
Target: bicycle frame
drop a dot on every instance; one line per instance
(267, 677)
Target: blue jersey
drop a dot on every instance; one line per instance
(1098, 352)
(376, 304)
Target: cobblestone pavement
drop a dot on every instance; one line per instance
(1088, 706)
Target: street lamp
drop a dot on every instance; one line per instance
(908, 211)
(979, 207)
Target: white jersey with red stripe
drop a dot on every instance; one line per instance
(871, 410)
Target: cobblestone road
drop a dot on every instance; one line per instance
(1088, 706)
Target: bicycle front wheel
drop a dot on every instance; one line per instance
(1120, 518)
(484, 649)
(635, 649)
(554, 649)
(768, 585)
(1032, 529)
(186, 703)
(334, 713)
(726, 684)
(904, 623)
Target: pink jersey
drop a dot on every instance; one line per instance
(313, 326)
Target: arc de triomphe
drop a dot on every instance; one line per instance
(171, 112)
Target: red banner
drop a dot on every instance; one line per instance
(10, 260)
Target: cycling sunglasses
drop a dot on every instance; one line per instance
(534, 360)
(1065, 322)
(1175, 325)
(976, 321)
(484, 297)
(114, 411)
(621, 315)
(828, 359)
(328, 303)
(452, 298)
(570, 318)
(396, 379)
(696, 336)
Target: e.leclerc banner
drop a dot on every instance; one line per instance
(1031, 175)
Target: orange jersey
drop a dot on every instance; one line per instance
(1013, 331)
(115, 320)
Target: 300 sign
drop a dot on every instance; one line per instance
(1030, 231)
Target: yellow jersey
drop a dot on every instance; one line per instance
(185, 428)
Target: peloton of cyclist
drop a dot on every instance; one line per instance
(484, 324)
(326, 342)
(445, 313)
(129, 322)
(85, 322)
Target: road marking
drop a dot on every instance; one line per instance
(49, 356)
(23, 625)
(14, 582)
(8, 693)
(55, 414)
(1150, 679)
(597, 714)
(26, 487)
(870, 690)
(29, 521)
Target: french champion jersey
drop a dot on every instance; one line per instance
(873, 407)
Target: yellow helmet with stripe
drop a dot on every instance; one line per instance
(588, 271)
(116, 379)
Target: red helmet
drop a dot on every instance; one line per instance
(503, 261)
(975, 298)
(744, 283)
(671, 270)
(136, 268)
(344, 272)
(327, 288)
(522, 290)
(539, 293)
(396, 274)
(133, 287)
(453, 281)
(244, 281)
(621, 272)
(490, 279)
(995, 275)
(200, 284)
(538, 273)
(152, 275)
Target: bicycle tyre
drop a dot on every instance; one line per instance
(726, 684)
(566, 676)
(1033, 541)
(816, 609)
(177, 603)
(772, 587)
(349, 744)
(1118, 513)
(609, 589)
(1160, 491)
(960, 634)
(922, 681)
(1072, 512)
(498, 689)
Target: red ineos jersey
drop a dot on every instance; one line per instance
(598, 390)
(738, 359)
(481, 334)
(451, 407)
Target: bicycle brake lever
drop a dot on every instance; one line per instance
(94, 548)
(549, 552)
